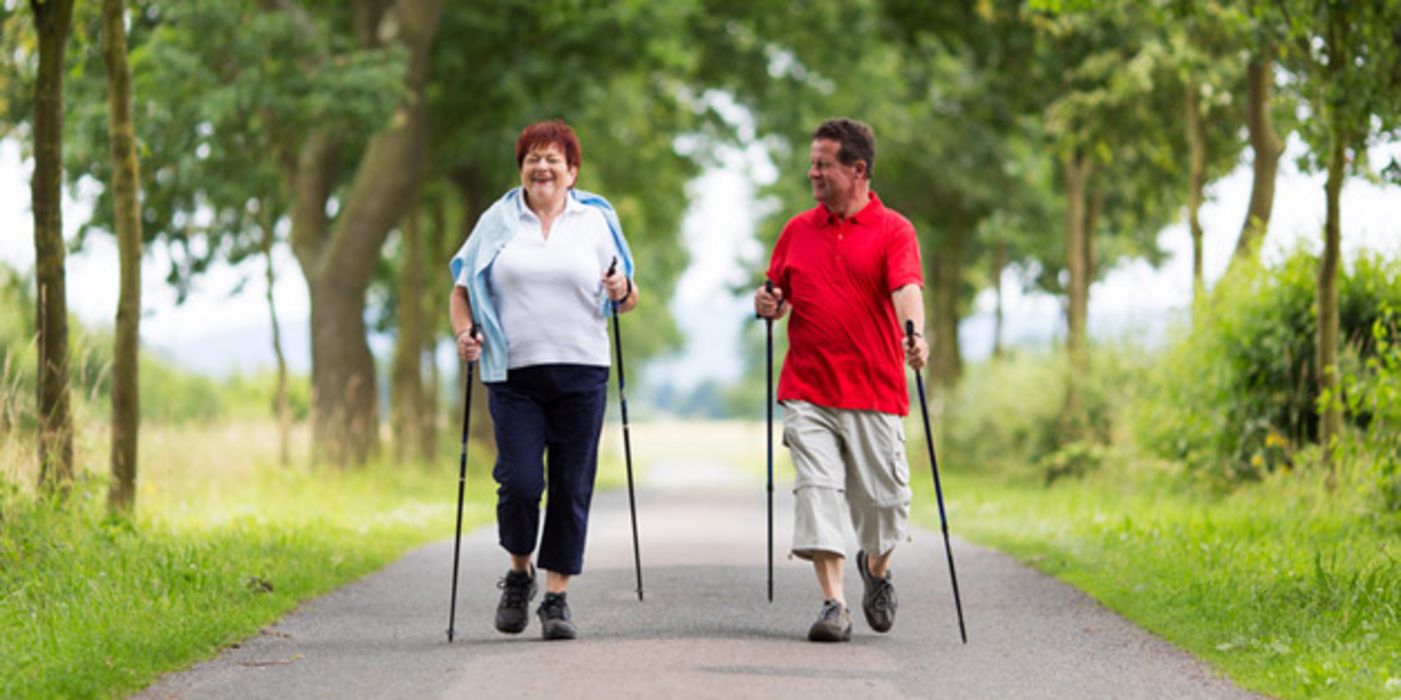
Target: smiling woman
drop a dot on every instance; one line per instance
(537, 277)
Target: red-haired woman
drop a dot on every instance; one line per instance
(534, 275)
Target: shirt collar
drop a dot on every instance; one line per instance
(866, 215)
(572, 205)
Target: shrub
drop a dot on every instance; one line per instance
(1238, 394)
(1008, 414)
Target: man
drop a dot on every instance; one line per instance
(849, 270)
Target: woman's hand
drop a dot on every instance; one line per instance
(619, 287)
(469, 345)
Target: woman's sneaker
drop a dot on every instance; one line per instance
(879, 602)
(517, 590)
(555, 620)
(833, 623)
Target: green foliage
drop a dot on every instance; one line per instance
(1373, 390)
(1007, 417)
(1289, 588)
(1237, 395)
(100, 607)
(169, 395)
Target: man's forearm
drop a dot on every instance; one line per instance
(909, 306)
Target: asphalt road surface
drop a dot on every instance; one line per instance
(705, 629)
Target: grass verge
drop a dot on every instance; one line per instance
(1280, 585)
(223, 544)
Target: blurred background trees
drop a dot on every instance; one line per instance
(1044, 141)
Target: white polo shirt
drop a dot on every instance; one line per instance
(548, 290)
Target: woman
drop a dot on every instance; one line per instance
(534, 275)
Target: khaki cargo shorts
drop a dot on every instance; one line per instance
(849, 464)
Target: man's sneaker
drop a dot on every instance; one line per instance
(879, 601)
(517, 590)
(833, 623)
(555, 620)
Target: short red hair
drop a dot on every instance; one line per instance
(553, 132)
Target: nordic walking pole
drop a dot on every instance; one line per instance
(627, 441)
(461, 486)
(938, 489)
(768, 408)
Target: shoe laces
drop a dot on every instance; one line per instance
(831, 610)
(516, 587)
(554, 607)
(880, 597)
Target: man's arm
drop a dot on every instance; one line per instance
(909, 306)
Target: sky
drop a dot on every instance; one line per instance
(218, 332)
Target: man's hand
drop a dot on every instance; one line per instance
(469, 346)
(770, 305)
(916, 352)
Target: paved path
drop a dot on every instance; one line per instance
(705, 629)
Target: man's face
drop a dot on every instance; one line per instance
(832, 181)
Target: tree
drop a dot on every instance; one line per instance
(1346, 61)
(126, 387)
(53, 19)
(339, 257)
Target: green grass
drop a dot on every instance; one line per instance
(224, 543)
(1283, 586)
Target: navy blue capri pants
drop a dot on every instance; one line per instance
(547, 420)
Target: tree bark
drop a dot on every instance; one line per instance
(52, 19)
(338, 265)
(1078, 170)
(1326, 338)
(1330, 429)
(999, 264)
(126, 169)
(474, 200)
(1196, 184)
(407, 374)
(946, 268)
(281, 405)
(437, 289)
(1267, 148)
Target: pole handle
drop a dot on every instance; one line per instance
(768, 287)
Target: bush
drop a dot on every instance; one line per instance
(1007, 415)
(1238, 395)
(1373, 389)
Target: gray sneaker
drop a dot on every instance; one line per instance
(555, 620)
(833, 623)
(879, 602)
(517, 589)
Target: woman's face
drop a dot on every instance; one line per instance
(545, 174)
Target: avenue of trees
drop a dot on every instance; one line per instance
(1053, 137)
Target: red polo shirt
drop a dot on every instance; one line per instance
(845, 344)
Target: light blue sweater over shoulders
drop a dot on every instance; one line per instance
(471, 268)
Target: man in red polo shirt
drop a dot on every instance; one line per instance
(849, 270)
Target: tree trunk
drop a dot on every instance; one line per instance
(438, 286)
(483, 430)
(126, 386)
(338, 266)
(999, 264)
(1267, 148)
(280, 403)
(1078, 170)
(946, 361)
(1082, 214)
(406, 378)
(52, 18)
(1326, 339)
(1196, 184)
